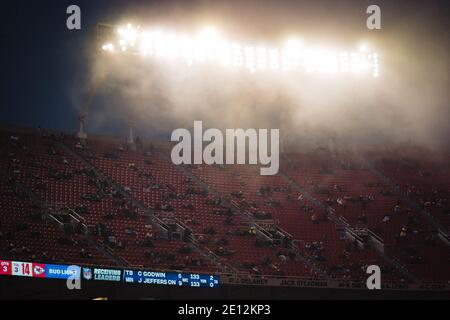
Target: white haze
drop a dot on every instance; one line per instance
(407, 104)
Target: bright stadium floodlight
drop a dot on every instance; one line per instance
(208, 46)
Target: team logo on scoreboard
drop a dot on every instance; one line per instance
(87, 273)
(39, 270)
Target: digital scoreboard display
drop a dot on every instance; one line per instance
(171, 278)
(90, 273)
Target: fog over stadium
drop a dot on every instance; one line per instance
(408, 103)
(198, 149)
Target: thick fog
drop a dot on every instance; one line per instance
(408, 103)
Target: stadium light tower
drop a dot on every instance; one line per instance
(130, 141)
(81, 134)
(209, 46)
(81, 127)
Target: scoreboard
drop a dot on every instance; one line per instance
(90, 273)
(171, 278)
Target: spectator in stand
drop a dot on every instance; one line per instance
(120, 245)
(229, 221)
(403, 232)
(430, 240)
(221, 251)
(112, 241)
(209, 230)
(282, 258)
(109, 216)
(148, 240)
(85, 254)
(185, 249)
(201, 239)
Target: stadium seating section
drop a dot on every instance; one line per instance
(399, 196)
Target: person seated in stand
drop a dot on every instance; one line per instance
(112, 241)
(430, 240)
(64, 161)
(129, 213)
(221, 251)
(315, 218)
(188, 206)
(403, 232)
(265, 261)
(252, 231)
(362, 219)
(255, 269)
(167, 207)
(149, 235)
(292, 255)
(237, 194)
(45, 256)
(386, 218)
(85, 254)
(282, 258)
(262, 215)
(109, 216)
(262, 243)
(329, 201)
(148, 240)
(229, 221)
(120, 245)
(222, 242)
(201, 239)
(319, 257)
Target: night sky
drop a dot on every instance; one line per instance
(42, 60)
